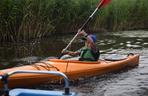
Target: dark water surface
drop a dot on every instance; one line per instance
(133, 82)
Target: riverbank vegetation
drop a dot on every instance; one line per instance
(23, 20)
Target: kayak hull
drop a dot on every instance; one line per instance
(72, 68)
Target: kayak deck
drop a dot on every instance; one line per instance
(72, 68)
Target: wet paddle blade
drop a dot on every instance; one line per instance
(103, 3)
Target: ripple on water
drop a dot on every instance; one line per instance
(134, 85)
(131, 34)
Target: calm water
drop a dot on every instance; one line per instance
(133, 82)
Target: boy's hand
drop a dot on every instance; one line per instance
(65, 51)
(83, 33)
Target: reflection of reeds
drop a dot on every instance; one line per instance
(13, 51)
(22, 20)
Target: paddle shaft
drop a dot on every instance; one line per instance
(83, 26)
(102, 3)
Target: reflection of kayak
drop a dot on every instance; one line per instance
(72, 68)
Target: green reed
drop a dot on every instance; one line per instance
(123, 15)
(24, 20)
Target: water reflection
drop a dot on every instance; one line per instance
(11, 54)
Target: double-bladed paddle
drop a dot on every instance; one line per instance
(101, 4)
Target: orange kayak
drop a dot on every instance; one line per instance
(74, 69)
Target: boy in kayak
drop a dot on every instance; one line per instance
(87, 53)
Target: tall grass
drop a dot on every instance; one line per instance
(24, 20)
(123, 15)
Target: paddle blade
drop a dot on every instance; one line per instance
(103, 3)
